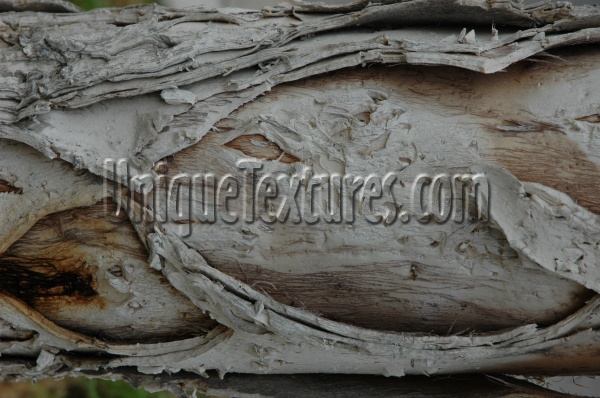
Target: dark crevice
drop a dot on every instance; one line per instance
(261, 147)
(6, 186)
(40, 279)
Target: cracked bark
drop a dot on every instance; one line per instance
(354, 90)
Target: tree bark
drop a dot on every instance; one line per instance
(390, 189)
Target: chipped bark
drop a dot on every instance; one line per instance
(258, 146)
(6, 187)
(106, 281)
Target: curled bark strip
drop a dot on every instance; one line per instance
(287, 333)
(48, 334)
(131, 56)
(572, 246)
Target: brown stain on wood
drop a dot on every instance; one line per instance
(386, 301)
(47, 270)
(564, 359)
(260, 147)
(50, 270)
(65, 235)
(392, 302)
(517, 126)
(533, 150)
(34, 280)
(590, 119)
(550, 159)
(225, 125)
(6, 186)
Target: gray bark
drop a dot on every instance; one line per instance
(473, 88)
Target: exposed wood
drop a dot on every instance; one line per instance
(7, 187)
(87, 270)
(257, 146)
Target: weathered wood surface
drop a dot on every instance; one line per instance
(356, 90)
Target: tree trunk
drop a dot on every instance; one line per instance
(366, 189)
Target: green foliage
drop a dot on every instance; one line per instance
(80, 388)
(89, 4)
(116, 389)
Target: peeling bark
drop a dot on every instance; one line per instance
(103, 281)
